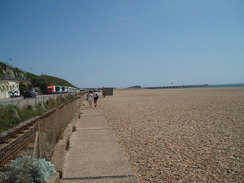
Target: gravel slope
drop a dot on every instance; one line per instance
(180, 135)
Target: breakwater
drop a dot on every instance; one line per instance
(180, 86)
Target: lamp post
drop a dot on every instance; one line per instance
(10, 59)
(31, 82)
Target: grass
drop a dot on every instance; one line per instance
(80, 115)
(67, 144)
(73, 128)
(12, 115)
(8, 116)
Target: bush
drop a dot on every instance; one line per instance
(61, 99)
(70, 96)
(28, 170)
(41, 170)
(9, 116)
(50, 104)
(28, 112)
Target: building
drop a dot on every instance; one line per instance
(8, 86)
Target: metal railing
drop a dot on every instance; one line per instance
(20, 101)
(45, 133)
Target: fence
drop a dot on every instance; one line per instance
(48, 128)
(20, 101)
(51, 126)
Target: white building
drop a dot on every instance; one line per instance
(8, 86)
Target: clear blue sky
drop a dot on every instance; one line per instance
(121, 43)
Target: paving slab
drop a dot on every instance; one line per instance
(94, 155)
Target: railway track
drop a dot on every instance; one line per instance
(12, 143)
(16, 140)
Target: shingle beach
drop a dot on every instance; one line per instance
(180, 135)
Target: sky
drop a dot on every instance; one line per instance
(122, 43)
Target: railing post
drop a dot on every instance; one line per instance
(36, 151)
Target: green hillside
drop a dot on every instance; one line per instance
(51, 80)
(44, 80)
(29, 80)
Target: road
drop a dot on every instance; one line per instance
(20, 101)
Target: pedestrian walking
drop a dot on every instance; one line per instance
(95, 97)
(89, 98)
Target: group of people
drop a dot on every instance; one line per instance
(92, 95)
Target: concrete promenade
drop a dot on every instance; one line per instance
(94, 155)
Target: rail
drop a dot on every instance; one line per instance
(50, 126)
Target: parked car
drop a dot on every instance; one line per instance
(29, 94)
(14, 94)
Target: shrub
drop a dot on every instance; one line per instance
(20, 170)
(9, 116)
(27, 112)
(70, 96)
(73, 128)
(52, 101)
(28, 170)
(41, 170)
(61, 99)
(8, 108)
(67, 144)
(40, 109)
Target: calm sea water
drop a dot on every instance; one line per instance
(226, 85)
(199, 86)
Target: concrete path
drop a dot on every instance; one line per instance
(94, 155)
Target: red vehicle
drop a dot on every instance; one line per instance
(54, 89)
(51, 89)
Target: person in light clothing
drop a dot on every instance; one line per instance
(89, 98)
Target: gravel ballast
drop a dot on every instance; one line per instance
(180, 135)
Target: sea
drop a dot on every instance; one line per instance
(225, 85)
(198, 86)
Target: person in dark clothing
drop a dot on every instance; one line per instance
(95, 98)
